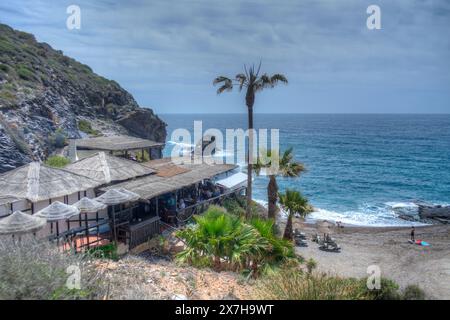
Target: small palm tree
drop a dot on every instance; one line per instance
(286, 167)
(253, 82)
(293, 202)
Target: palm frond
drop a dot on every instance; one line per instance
(278, 78)
(242, 79)
(221, 79)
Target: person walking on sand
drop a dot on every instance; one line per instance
(412, 234)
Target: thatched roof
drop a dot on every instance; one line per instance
(36, 182)
(114, 197)
(20, 223)
(5, 199)
(155, 185)
(86, 205)
(58, 211)
(105, 168)
(116, 143)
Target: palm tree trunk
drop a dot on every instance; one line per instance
(272, 196)
(288, 231)
(248, 211)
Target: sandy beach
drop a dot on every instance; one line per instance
(387, 247)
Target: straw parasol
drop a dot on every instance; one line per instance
(58, 211)
(114, 196)
(86, 205)
(133, 196)
(20, 223)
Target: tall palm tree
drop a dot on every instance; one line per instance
(253, 82)
(294, 202)
(286, 167)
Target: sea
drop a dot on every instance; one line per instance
(362, 169)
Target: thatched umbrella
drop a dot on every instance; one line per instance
(133, 196)
(58, 211)
(86, 205)
(20, 223)
(112, 198)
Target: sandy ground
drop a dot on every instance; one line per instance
(138, 278)
(427, 267)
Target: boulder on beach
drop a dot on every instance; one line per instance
(438, 213)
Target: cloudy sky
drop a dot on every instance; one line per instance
(166, 53)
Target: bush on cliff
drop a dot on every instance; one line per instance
(57, 161)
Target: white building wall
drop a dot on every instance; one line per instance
(25, 206)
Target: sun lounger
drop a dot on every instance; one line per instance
(298, 234)
(330, 246)
(300, 242)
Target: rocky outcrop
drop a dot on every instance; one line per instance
(438, 213)
(145, 124)
(44, 94)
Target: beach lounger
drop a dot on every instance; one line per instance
(330, 246)
(300, 242)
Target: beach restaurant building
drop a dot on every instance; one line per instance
(164, 195)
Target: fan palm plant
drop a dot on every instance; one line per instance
(294, 202)
(225, 241)
(253, 82)
(286, 166)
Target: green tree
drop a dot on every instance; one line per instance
(294, 202)
(253, 82)
(274, 166)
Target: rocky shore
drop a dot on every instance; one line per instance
(429, 214)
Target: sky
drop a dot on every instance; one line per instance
(167, 53)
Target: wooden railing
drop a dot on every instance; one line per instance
(141, 232)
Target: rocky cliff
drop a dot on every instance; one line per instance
(45, 95)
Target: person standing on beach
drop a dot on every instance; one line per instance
(412, 233)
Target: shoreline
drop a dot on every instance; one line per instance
(389, 249)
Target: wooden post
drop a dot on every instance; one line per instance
(114, 224)
(87, 229)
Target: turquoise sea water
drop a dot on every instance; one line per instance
(362, 169)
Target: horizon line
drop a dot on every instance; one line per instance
(302, 113)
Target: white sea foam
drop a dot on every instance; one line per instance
(367, 215)
(181, 144)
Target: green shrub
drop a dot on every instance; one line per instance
(25, 73)
(86, 127)
(142, 157)
(413, 292)
(236, 206)
(58, 139)
(227, 242)
(107, 251)
(4, 68)
(311, 264)
(293, 284)
(389, 290)
(6, 46)
(57, 161)
(7, 95)
(38, 270)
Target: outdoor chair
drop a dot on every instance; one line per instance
(300, 242)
